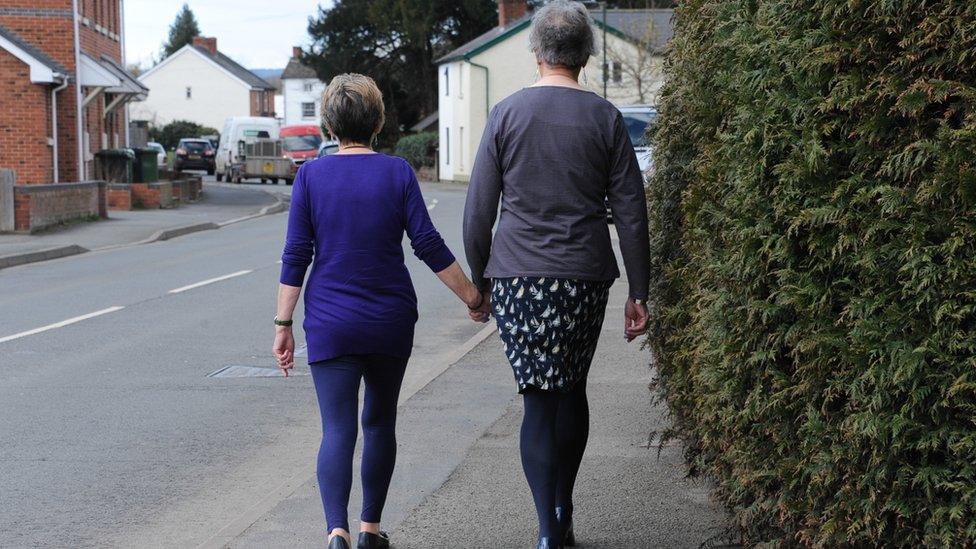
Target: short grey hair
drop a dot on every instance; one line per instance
(562, 34)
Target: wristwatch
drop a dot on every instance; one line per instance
(640, 302)
(283, 322)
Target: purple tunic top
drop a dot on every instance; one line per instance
(347, 219)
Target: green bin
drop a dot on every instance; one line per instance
(115, 165)
(146, 166)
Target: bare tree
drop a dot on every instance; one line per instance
(641, 65)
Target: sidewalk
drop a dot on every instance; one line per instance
(218, 206)
(459, 480)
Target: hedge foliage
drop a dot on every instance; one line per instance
(419, 149)
(814, 246)
(169, 135)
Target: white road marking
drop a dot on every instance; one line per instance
(432, 205)
(61, 324)
(210, 281)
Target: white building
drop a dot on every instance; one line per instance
(481, 73)
(199, 84)
(302, 91)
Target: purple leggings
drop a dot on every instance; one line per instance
(337, 387)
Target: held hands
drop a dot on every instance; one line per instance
(479, 306)
(635, 319)
(284, 348)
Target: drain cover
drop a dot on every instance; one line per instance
(251, 371)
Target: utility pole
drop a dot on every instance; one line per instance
(606, 68)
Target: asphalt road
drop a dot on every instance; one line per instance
(111, 431)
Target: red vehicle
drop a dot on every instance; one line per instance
(301, 143)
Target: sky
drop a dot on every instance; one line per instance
(256, 33)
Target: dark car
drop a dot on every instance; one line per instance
(194, 154)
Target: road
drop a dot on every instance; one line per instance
(109, 424)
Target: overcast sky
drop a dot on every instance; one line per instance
(256, 33)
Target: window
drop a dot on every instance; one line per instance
(617, 72)
(447, 83)
(189, 92)
(447, 145)
(307, 86)
(308, 110)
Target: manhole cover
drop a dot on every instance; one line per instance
(251, 371)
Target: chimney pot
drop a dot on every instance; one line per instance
(207, 42)
(511, 10)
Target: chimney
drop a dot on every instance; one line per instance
(296, 52)
(510, 10)
(206, 42)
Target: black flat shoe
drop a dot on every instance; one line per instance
(548, 543)
(566, 527)
(373, 541)
(338, 542)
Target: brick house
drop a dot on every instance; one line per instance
(63, 91)
(200, 84)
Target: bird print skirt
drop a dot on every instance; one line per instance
(550, 328)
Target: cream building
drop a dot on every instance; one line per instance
(200, 84)
(481, 73)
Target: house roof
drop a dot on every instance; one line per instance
(627, 24)
(235, 68)
(39, 56)
(487, 40)
(129, 83)
(295, 69)
(429, 121)
(636, 23)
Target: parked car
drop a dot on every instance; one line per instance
(194, 154)
(160, 152)
(328, 147)
(638, 119)
(238, 130)
(301, 142)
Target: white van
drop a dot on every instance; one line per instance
(239, 129)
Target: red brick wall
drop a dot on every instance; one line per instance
(262, 103)
(40, 206)
(25, 123)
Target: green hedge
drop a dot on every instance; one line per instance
(814, 246)
(419, 149)
(169, 135)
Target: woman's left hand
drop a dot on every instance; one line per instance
(284, 348)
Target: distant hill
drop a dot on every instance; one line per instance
(273, 76)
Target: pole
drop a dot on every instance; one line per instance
(606, 68)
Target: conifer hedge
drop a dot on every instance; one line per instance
(814, 246)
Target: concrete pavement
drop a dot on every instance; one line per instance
(459, 481)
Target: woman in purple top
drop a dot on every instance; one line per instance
(349, 212)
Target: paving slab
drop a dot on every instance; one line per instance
(459, 481)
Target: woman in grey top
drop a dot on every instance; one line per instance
(551, 153)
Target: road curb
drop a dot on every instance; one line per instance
(14, 260)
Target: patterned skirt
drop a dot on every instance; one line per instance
(550, 328)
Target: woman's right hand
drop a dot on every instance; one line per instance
(284, 348)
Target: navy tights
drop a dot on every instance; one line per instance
(337, 388)
(555, 428)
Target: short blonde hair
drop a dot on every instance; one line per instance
(352, 108)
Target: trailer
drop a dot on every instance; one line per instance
(262, 159)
